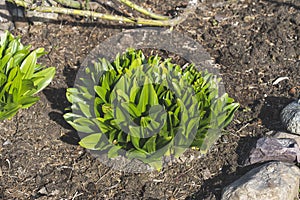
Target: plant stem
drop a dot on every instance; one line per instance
(87, 13)
(84, 13)
(143, 10)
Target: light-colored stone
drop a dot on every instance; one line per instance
(43, 191)
(288, 135)
(5, 18)
(271, 181)
(290, 117)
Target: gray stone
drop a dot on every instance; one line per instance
(43, 191)
(271, 181)
(271, 148)
(288, 135)
(290, 117)
(5, 18)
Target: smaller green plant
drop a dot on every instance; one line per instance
(20, 75)
(147, 108)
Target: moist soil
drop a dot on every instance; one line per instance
(253, 42)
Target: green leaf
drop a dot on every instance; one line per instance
(136, 154)
(90, 141)
(3, 42)
(74, 96)
(14, 46)
(27, 87)
(120, 114)
(150, 145)
(192, 124)
(40, 52)
(104, 125)
(4, 61)
(136, 143)
(3, 79)
(20, 55)
(133, 110)
(148, 96)
(15, 78)
(28, 65)
(135, 131)
(122, 96)
(135, 64)
(101, 92)
(113, 151)
(43, 78)
(26, 102)
(230, 114)
(85, 108)
(134, 90)
(10, 111)
(83, 125)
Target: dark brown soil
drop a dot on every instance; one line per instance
(252, 41)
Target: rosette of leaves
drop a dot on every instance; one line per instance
(20, 75)
(147, 108)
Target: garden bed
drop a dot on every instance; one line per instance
(253, 43)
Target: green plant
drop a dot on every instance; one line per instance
(20, 76)
(147, 108)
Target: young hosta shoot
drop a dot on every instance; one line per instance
(147, 108)
(20, 76)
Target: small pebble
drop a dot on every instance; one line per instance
(43, 191)
(7, 142)
(293, 91)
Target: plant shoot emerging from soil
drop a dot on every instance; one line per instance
(20, 75)
(147, 108)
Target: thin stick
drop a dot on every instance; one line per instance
(143, 10)
(78, 5)
(86, 13)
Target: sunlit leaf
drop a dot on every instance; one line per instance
(90, 141)
(43, 78)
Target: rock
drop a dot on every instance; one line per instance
(272, 181)
(7, 142)
(290, 117)
(43, 191)
(18, 18)
(5, 19)
(288, 135)
(270, 148)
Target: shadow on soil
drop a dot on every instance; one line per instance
(212, 188)
(270, 112)
(59, 102)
